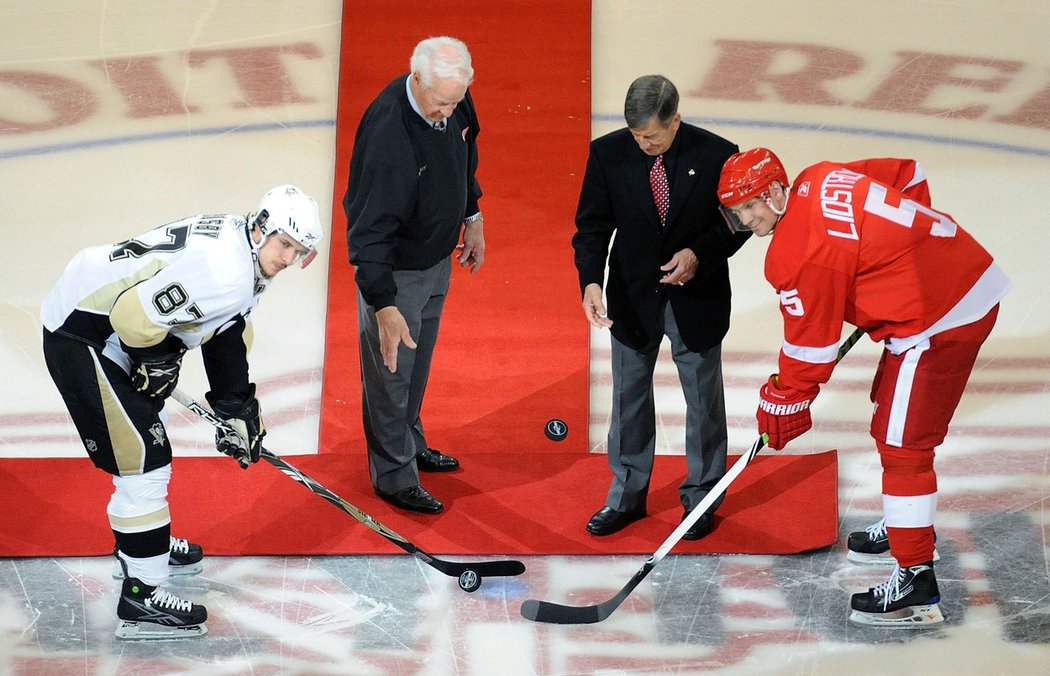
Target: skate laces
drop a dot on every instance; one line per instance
(876, 531)
(180, 545)
(162, 599)
(890, 590)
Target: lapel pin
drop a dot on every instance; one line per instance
(692, 172)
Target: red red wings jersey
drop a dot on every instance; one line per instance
(859, 243)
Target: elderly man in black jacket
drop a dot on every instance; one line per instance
(654, 185)
(412, 194)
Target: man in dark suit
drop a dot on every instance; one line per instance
(654, 185)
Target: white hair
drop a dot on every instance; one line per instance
(442, 58)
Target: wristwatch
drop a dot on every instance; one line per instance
(471, 219)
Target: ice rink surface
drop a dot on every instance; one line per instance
(119, 116)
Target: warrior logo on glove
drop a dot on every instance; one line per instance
(783, 409)
(783, 414)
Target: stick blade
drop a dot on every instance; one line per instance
(556, 613)
(507, 568)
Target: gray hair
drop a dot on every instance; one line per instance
(442, 58)
(648, 96)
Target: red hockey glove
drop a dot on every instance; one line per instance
(783, 414)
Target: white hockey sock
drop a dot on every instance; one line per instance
(153, 570)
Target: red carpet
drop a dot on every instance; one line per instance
(513, 353)
(498, 504)
(513, 347)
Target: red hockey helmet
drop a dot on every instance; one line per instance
(748, 174)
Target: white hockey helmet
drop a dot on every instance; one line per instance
(289, 210)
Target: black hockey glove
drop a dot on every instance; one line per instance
(156, 376)
(244, 442)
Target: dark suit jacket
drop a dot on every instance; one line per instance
(616, 198)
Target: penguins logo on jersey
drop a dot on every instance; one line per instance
(157, 431)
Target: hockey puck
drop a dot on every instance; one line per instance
(556, 429)
(469, 581)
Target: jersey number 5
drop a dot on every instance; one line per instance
(907, 212)
(792, 303)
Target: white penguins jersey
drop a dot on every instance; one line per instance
(187, 279)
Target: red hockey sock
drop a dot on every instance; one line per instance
(911, 546)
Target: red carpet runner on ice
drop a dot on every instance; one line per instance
(513, 353)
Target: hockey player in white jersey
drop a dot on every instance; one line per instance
(116, 326)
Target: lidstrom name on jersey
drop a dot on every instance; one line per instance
(836, 200)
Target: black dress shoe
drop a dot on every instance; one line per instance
(607, 520)
(414, 499)
(435, 461)
(704, 525)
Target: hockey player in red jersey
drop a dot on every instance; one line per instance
(116, 326)
(859, 243)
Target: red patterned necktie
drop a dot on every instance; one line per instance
(661, 194)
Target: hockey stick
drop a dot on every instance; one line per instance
(556, 613)
(470, 575)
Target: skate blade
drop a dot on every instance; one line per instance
(905, 618)
(884, 559)
(148, 631)
(188, 569)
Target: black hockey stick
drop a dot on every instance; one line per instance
(470, 575)
(556, 613)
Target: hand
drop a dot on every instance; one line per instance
(472, 250)
(594, 309)
(783, 414)
(156, 376)
(393, 330)
(680, 269)
(244, 440)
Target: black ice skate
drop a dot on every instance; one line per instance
(184, 558)
(150, 613)
(908, 599)
(872, 545)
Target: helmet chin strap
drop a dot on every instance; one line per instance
(259, 274)
(249, 231)
(772, 207)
